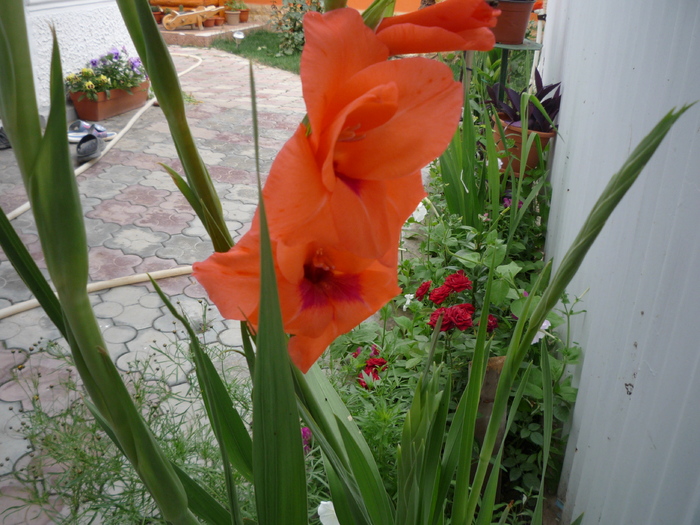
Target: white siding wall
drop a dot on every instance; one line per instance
(633, 456)
(85, 29)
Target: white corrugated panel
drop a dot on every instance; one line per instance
(634, 450)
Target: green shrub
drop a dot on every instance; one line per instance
(287, 20)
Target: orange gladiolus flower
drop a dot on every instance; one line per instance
(371, 122)
(450, 25)
(324, 292)
(364, 216)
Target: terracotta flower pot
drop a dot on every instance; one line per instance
(208, 22)
(158, 15)
(119, 102)
(232, 17)
(512, 23)
(514, 133)
(244, 15)
(219, 20)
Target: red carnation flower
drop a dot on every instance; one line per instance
(357, 352)
(461, 316)
(446, 320)
(367, 372)
(458, 282)
(440, 294)
(423, 290)
(375, 363)
(492, 324)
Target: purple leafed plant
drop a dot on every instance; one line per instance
(548, 96)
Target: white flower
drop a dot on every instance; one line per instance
(541, 332)
(409, 297)
(420, 213)
(326, 513)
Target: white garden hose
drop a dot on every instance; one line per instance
(119, 281)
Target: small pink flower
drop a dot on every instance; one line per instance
(306, 439)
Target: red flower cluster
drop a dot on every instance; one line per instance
(373, 366)
(458, 316)
(456, 282)
(344, 184)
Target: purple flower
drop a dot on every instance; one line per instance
(135, 64)
(306, 439)
(94, 63)
(115, 53)
(507, 202)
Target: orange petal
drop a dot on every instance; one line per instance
(338, 45)
(409, 39)
(429, 103)
(378, 286)
(464, 18)
(295, 197)
(232, 279)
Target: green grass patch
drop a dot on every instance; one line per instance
(263, 47)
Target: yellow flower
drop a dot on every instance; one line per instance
(87, 72)
(72, 77)
(89, 85)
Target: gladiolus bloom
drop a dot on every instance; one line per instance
(323, 292)
(352, 176)
(450, 25)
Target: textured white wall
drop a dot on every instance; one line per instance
(632, 457)
(85, 30)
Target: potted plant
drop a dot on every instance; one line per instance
(540, 117)
(158, 13)
(109, 85)
(240, 7)
(512, 22)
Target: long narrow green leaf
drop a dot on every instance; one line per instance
(471, 397)
(547, 425)
(229, 429)
(345, 510)
(248, 349)
(321, 400)
(29, 272)
(489, 498)
(166, 86)
(18, 108)
(347, 488)
(199, 500)
(278, 460)
(376, 502)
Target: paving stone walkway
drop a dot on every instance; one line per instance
(138, 222)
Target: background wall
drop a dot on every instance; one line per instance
(85, 30)
(632, 456)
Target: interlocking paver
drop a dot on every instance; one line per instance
(137, 241)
